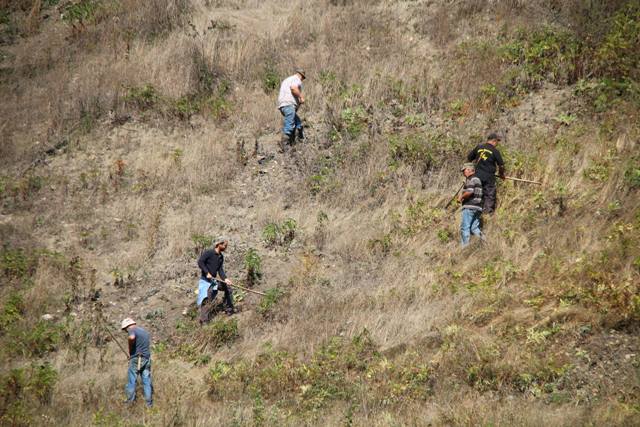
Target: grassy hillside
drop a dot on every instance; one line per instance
(135, 132)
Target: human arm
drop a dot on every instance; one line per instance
(464, 196)
(296, 91)
(132, 344)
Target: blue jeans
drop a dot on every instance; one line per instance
(145, 373)
(470, 225)
(291, 121)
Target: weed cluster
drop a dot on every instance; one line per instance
(282, 234)
(341, 369)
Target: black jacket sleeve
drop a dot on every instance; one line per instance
(499, 160)
(472, 154)
(202, 262)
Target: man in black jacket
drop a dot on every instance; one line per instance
(487, 157)
(211, 264)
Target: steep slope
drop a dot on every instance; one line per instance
(139, 131)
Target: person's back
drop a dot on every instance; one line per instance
(285, 97)
(488, 159)
(142, 342)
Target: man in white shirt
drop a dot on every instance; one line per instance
(290, 99)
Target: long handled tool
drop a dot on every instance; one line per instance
(113, 337)
(243, 288)
(510, 178)
(454, 196)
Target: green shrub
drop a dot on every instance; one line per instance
(38, 340)
(618, 56)
(144, 97)
(80, 13)
(270, 79)
(354, 120)
(16, 263)
(271, 233)
(269, 303)
(544, 54)
(280, 234)
(12, 311)
(221, 332)
(201, 242)
(253, 265)
(632, 174)
(445, 235)
(288, 229)
(411, 149)
(42, 382)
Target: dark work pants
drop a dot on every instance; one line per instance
(489, 197)
(208, 303)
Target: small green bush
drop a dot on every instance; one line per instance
(632, 174)
(288, 229)
(80, 13)
(269, 303)
(280, 234)
(17, 263)
(12, 311)
(354, 120)
(144, 97)
(411, 149)
(201, 242)
(221, 332)
(43, 380)
(253, 265)
(37, 341)
(271, 233)
(445, 235)
(270, 79)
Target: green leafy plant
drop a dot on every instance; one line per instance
(288, 229)
(253, 265)
(201, 242)
(270, 79)
(354, 119)
(269, 303)
(271, 233)
(144, 97)
(221, 332)
(12, 311)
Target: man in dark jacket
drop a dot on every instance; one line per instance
(487, 157)
(211, 264)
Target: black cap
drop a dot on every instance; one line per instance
(494, 136)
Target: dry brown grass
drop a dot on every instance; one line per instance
(496, 326)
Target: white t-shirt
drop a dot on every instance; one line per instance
(285, 97)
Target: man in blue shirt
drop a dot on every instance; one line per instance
(139, 361)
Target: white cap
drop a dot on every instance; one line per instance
(127, 322)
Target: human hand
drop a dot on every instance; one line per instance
(209, 276)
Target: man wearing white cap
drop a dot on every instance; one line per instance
(139, 361)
